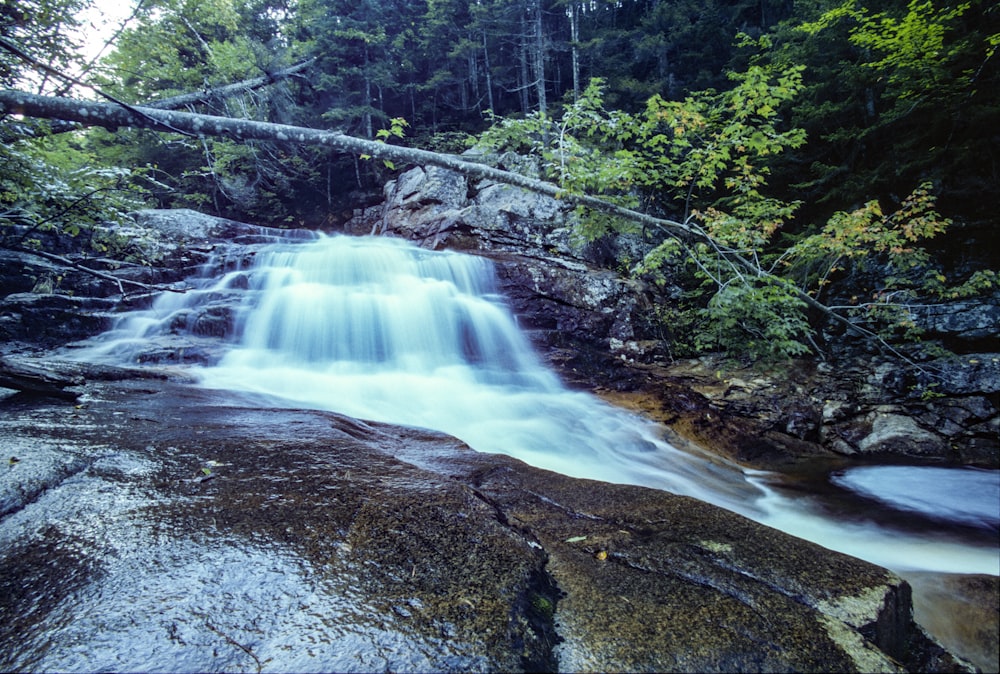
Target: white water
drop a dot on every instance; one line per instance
(381, 330)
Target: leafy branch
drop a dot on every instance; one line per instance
(707, 159)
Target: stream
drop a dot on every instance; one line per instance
(379, 329)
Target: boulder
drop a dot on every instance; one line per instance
(49, 319)
(963, 325)
(164, 523)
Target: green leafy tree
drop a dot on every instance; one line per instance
(890, 248)
(46, 30)
(895, 94)
(360, 46)
(181, 46)
(705, 161)
(54, 189)
(51, 189)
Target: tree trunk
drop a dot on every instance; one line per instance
(523, 85)
(538, 56)
(367, 104)
(489, 76)
(177, 102)
(34, 380)
(573, 11)
(112, 116)
(181, 101)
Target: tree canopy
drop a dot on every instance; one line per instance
(764, 149)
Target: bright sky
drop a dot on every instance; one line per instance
(101, 21)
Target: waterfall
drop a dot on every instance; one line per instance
(382, 330)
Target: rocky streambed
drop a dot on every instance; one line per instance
(152, 525)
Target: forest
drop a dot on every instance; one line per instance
(797, 160)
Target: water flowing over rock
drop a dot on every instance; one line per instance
(555, 285)
(596, 327)
(562, 543)
(200, 532)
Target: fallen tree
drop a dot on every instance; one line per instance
(38, 381)
(115, 115)
(172, 103)
(228, 90)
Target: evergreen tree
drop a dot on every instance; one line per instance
(896, 95)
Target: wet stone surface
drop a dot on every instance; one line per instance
(198, 537)
(154, 526)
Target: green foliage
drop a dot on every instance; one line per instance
(52, 186)
(396, 129)
(45, 29)
(709, 150)
(867, 233)
(928, 393)
(179, 46)
(704, 158)
(897, 93)
(706, 161)
(890, 247)
(182, 46)
(911, 49)
(759, 319)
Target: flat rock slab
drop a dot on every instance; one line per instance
(155, 526)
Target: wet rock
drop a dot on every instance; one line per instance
(561, 303)
(36, 380)
(31, 468)
(559, 288)
(893, 433)
(802, 412)
(233, 538)
(962, 325)
(187, 526)
(717, 595)
(936, 596)
(47, 320)
(185, 226)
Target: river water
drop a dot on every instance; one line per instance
(379, 329)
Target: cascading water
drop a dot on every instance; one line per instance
(382, 330)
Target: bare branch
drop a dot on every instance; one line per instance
(183, 100)
(65, 261)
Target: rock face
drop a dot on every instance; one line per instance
(804, 411)
(45, 304)
(556, 286)
(596, 327)
(158, 523)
